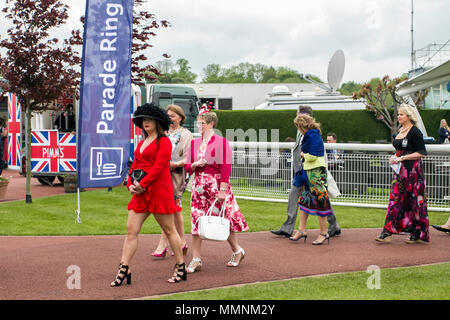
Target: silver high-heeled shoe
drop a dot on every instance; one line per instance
(236, 258)
(195, 265)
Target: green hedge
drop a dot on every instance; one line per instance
(355, 125)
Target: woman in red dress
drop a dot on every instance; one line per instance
(153, 193)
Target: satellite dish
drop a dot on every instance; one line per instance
(336, 68)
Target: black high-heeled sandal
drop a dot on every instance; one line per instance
(326, 237)
(179, 273)
(121, 276)
(384, 237)
(302, 235)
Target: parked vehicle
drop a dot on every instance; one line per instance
(164, 94)
(53, 143)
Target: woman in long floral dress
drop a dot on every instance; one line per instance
(314, 199)
(407, 209)
(210, 158)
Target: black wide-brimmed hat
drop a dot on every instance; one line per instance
(149, 110)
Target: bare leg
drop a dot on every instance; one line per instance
(238, 253)
(323, 229)
(303, 220)
(134, 225)
(163, 243)
(179, 224)
(167, 224)
(232, 240)
(196, 246)
(196, 262)
(323, 225)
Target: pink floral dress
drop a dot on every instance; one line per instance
(206, 183)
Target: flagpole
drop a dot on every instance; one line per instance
(78, 211)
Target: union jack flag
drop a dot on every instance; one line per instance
(67, 152)
(44, 151)
(135, 130)
(14, 143)
(53, 152)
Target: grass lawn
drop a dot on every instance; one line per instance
(105, 213)
(413, 283)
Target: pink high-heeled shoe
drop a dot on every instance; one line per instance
(185, 249)
(160, 255)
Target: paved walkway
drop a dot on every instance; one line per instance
(37, 267)
(17, 183)
(41, 267)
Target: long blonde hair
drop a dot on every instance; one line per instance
(444, 126)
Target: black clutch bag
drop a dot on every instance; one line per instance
(137, 175)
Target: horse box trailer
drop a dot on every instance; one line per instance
(53, 137)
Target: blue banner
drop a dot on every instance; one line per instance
(103, 132)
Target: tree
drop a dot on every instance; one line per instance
(180, 72)
(212, 74)
(165, 66)
(269, 74)
(36, 67)
(380, 97)
(251, 73)
(348, 88)
(285, 74)
(419, 98)
(242, 72)
(184, 71)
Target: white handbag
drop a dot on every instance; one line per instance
(215, 228)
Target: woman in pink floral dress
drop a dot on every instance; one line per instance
(210, 158)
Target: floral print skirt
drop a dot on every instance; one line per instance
(314, 199)
(407, 209)
(205, 188)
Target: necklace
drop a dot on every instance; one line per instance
(174, 130)
(404, 129)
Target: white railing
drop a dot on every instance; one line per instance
(262, 171)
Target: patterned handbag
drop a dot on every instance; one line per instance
(137, 175)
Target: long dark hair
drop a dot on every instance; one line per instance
(159, 131)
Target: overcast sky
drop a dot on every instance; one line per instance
(300, 34)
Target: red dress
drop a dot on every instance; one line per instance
(159, 195)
